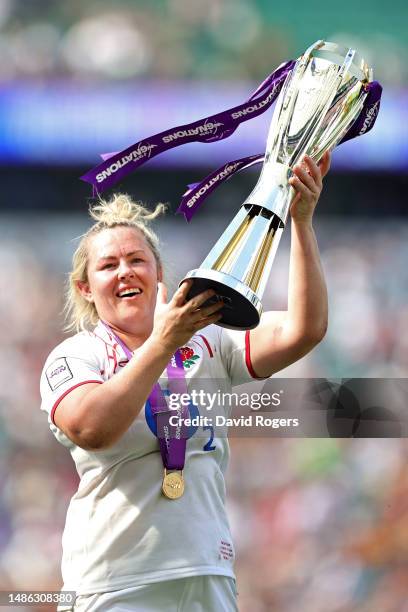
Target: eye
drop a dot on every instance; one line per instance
(137, 259)
(107, 266)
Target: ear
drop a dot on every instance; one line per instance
(85, 290)
(160, 274)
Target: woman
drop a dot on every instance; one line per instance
(131, 541)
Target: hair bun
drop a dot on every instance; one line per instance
(122, 209)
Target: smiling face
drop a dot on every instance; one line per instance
(122, 279)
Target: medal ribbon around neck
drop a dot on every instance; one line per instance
(172, 438)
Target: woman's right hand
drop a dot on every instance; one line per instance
(176, 321)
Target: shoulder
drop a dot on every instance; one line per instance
(81, 345)
(85, 349)
(234, 337)
(217, 335)
(216, 339)
(208, 339)
(73, 362)
(232, 347)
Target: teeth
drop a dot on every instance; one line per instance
(129, 291)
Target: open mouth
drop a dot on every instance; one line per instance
(130, 292)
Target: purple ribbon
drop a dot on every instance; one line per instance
(216, 127)
(172, 438)
(196, 193)
(209, 129)
(368, 114)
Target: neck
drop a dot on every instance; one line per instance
(133, 340)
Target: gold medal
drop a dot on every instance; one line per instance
(173, 484)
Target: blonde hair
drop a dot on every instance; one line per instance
(120, 210)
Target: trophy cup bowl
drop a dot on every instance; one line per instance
(321, 98)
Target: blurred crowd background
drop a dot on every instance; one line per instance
(180, 39)
(319, 524)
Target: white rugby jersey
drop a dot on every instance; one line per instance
(120, 530)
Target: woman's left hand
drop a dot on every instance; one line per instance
(308, 183)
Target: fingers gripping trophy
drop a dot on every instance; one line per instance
(321, 98)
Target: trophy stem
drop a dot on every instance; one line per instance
(238, 266)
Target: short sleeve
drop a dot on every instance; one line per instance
(73, 363)
(235, 348)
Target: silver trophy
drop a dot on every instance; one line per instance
(320, 99)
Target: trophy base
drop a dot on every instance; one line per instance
(242, 308)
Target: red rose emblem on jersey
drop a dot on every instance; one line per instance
(186, 352)
(188, 356)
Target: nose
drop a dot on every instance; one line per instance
(125, 270)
